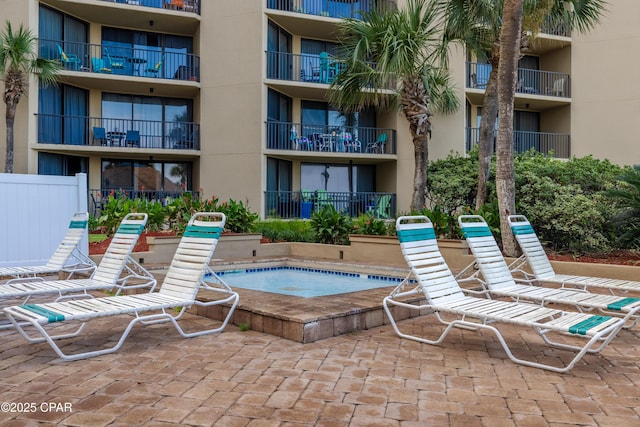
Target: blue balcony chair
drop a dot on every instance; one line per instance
(114, 64)
(99, 66)
(69, 60)
(99, 136)
(133, 138)
(155, 70)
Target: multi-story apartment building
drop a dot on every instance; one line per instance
(228, 98)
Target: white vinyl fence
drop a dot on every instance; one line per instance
(35, 211)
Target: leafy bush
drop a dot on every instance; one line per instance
(627, 197)
(370, 225)
(452, 183)
(239, 218)
(331, 226)
(444, 223)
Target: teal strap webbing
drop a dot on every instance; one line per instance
(52, 316)
(522, 229)
(582, 327)
(78, 224)
(621, 303)
(416, 234)
(203, 231)
(130, 229)
(469, 232)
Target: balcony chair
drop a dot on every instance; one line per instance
(69, 60)
(382, 209)
(111, 63)
(99, 136)
(325, 76)
(133, 138)
(155, 70)
(378, 145)
(557, 89)
(99, 66)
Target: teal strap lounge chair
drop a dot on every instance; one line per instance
(435, 291)
(541, 271)
(178, 292)
(494, 275)
(116, 272)
(67, 258)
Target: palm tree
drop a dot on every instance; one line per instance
(477, 24)
(389, 59)
(507, 76)
(18, 59)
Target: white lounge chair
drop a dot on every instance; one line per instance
(542, 271)
(436, 291)
(177, 293)
(496, 279)
(117, 271)
(66, 258)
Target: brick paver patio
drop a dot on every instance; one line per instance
(368, 378)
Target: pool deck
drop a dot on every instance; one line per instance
(365, 378)
(308, 320)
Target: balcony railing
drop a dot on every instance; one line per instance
(556, 144)
(98, 198)
(332, 8)
(82, 130)
(326, 139)
(302, 204)
(529, 81)
(119, 60)
(555, 28)
(180, 5)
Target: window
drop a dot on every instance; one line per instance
(337, 178)
(279, 59)
(162, 122)
(62, 115)
(56, 28)
(278, 119)
(59, 164)
(128, 176)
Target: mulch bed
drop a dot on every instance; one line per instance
(99, 248)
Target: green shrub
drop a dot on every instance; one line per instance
(239, 218)
(331, 226)
(369, 225)
(279, 230)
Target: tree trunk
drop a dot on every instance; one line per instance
(421, 153)
(487, 134)
(507, 75)
(10, 119)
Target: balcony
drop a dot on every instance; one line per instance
(192, 6)
(530, 82)
(303, 139)
(557, 145)
(85, 131)
(301, 204)
(331, 8)
(115, 60)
